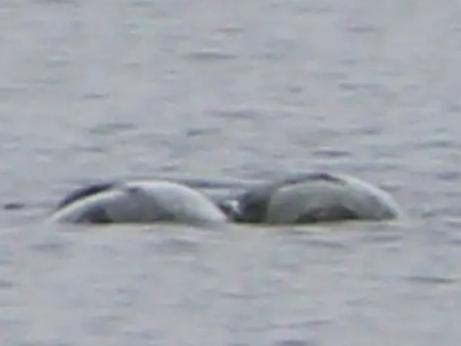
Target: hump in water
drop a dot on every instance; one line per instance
(315, 197)
(138, 202)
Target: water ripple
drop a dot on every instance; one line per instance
(6, 284)
(108, 129)
(295, 342)
(432, 280)
(449, 176)
(210, 56)
(174, 246)
(331, 153)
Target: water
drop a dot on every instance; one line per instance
(246, 90)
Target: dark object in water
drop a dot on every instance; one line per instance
(85, 191)
(14, 206)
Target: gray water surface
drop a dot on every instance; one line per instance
(246, 90)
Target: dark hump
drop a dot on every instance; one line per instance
(315, 176)
(85, 192)
(95, 214)
(253, 203)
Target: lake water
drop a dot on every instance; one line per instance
(100, 90)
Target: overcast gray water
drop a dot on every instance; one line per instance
(244, 89)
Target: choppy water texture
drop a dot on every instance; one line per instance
(95, 90)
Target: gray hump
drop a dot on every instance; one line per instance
(253, 204)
